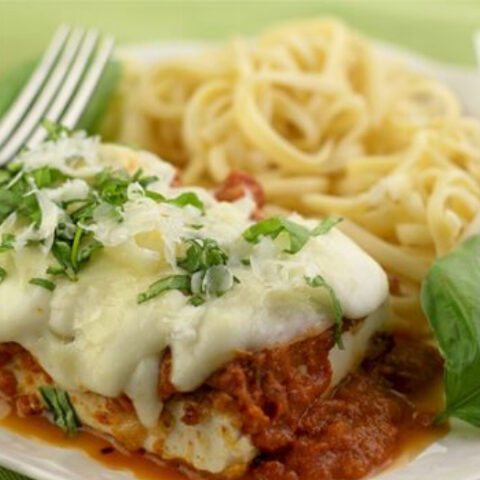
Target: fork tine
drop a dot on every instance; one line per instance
(68, 87)
(88, 86)
(35, 114)
(15, 113)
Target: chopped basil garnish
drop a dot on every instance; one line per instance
(85, 253)
(173, 282)
(297, 234)
(196, 300)
(325, 225)
(207, 273)
(75, 248)
(64, 415)
(46, 177)
(7, 243)
(5, 177)
(319, 281)
(273, 227)
(44, 283)
(157, 197)
(61, 250)
(3, 274)
(55, 131)
(187, 198)
(56, 270)
(201, 255)
(184, 199)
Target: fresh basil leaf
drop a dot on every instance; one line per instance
(113, 186)
(5, 177)
(319, 281)
(450, 298)
(55, 270)
(44, 283)
(62, 251)
(87, 251)
(85, 212)
(146, 181)
(30, 209)
(297, 234)
(64, 415)
(187, 198)
(273, 227)
(201, 255)
(173, 282)
(325, 225)
(197, 300)
(157, 197)
(65, 231)
(8, 241)
(55, 131)
(9, 201)
(75, 248)
(3, 274)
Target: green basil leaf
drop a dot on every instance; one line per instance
(450, 298)
(273, 227)
(62, 251)
(44, 283)
(55, 270)
(298, 234)
(8, 241)
(197, 300)
(5, 177)
(319, 281)
(3, 274)
(55, 131)
(173, 282)
(157, 197)
(9, 201)
(86, 252)
(75, 248)
(187, 198)
(201, 255)
(64, 415)
(325, 225)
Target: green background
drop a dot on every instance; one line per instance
(440, 29)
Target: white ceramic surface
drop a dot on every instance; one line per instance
(456, 457)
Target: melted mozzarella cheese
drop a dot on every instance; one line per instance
(92, 335)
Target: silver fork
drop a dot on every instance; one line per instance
(58, 90)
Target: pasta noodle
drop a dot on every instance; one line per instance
(329, 125)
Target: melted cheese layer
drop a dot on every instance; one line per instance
(92, 335)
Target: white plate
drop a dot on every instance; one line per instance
(456, 457)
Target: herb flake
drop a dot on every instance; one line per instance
(59, 403)
(44, 283)
(319, 281)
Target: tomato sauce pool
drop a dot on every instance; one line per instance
(363, 428)
(410, 442)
